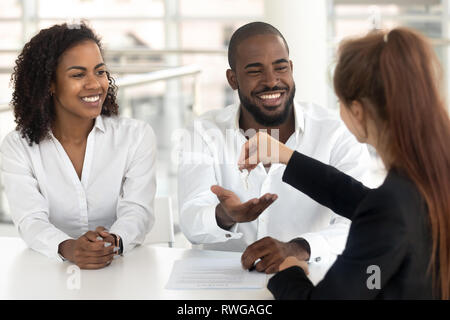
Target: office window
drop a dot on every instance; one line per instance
(104, 9)
(221, 8)
(11, 38)
(426, 17)
(357, 17)
(208, 26)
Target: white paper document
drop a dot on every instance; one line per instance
(210, 273)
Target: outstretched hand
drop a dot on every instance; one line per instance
(231, 210)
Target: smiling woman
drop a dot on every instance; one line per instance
(80, 181)
(85, 85)
(79, 90)
(39, 73)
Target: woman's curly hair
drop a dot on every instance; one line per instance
(35, 71)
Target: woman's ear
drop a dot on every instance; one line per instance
(358, 115)
(357, 111)
(231, 77)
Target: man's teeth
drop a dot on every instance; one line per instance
(270, 96)
(91, 99)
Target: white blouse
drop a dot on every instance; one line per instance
(50, 204)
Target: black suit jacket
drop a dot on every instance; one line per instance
(389, 233)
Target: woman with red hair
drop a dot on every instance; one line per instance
(387, 85)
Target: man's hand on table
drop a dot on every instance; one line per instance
(271, 253)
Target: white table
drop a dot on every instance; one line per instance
(141, 274)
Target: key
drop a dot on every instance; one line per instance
(244, 178)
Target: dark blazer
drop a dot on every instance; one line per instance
(389, 231)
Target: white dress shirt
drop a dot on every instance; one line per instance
(209, 154)
(50, 204)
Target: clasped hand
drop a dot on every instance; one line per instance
(93, 250)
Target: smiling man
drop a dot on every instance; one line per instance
(263, 217)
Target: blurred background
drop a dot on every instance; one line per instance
(169, 56)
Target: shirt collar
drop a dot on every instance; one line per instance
(299, 119)
(99, 123)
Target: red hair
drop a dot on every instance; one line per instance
(395, 76)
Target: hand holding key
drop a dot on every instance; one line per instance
(263, 148)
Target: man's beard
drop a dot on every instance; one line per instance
(261, 117)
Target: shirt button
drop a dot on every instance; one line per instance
(227, 235)
(317, 259)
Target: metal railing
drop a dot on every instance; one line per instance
(130, 67)
(4, 107)
(160, 75)
(176, 72)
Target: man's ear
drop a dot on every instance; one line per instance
(231, 77)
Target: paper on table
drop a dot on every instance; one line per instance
(210, 273)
